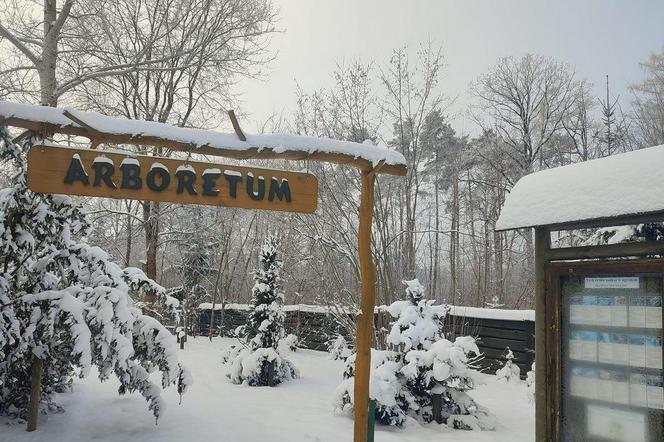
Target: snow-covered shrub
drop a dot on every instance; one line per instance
(261, 367)
(68, 303)
(509, 371)
(530, 384)
(422, 364)
(386, 388)
(338, 348)
(259, 361)
(418, 322)
(290, 343)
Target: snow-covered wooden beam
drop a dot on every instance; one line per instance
(100, 129)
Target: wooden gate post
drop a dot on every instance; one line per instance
(35, 393)
(364, 320)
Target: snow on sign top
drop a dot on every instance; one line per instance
(631, 183)
(200, 138)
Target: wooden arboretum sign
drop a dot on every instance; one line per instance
(120, 175)
(63, 170)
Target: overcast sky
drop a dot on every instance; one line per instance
(597, 37)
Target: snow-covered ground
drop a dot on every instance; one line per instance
(216, 410)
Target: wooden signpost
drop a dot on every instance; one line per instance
(63, 170)
(103, 173)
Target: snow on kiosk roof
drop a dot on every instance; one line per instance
(624, 185)
(104, 129)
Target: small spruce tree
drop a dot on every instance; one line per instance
(259, 362)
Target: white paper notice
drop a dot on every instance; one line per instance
(619, 311)
(611, 282)
(653, 352)
(638, 394)
(637, 311)
(653, 311)
(655, 392)
(654, 317)
(617, 425)
(620, 388)
(613, 348)
(637, 351)
(583, 382)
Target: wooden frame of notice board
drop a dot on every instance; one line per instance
(558, 363)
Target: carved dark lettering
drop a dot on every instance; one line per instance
(210, 184)
(131, 176)
(281, 191)
(186, 180)
(76, 172)
(164, 179)
(261, 187)
(103, 172)
(233, 180)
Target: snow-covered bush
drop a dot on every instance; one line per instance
(258, 362)
(418, 322)
(509, 371)
(530, 384)
(338, 348)
(386, 388)
(68, 303)
(422, 367)
(290, 343)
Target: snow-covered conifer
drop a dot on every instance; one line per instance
(68, 303)
(422, 365)
(338, 348)
(509, 371)
(259, 362)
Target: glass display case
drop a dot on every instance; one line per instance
(611, 357)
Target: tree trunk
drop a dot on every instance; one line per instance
(49, 56)
(151, 222)
(35, 393)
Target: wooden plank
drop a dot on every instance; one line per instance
(512, 335)
(502, 344)
(253, 153)
(54, 170)
(496, 323)
(607, 251)
(365, 317)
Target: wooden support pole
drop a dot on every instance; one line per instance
(236, 126)
(364, 320)
(35, 393)
(542, 246)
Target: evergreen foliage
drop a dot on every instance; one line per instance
(258, 362)
(68, 303)
(422, 365)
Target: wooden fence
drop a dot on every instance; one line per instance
(316, 326)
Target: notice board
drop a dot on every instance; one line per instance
(610, 361)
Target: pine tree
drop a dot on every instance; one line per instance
(260, 363)
(66, 305)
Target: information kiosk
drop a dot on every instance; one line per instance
(598, 300)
